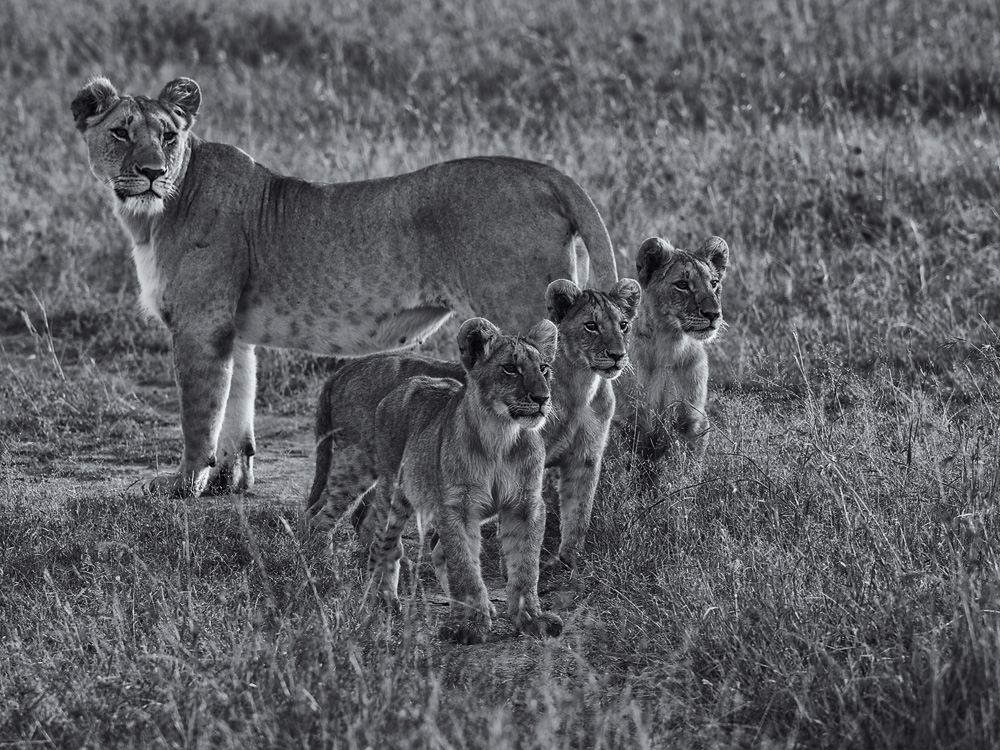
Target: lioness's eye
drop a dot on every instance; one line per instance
(169, 137)
(509, 369)
(120, 133)
(623, 325)
(715, 283)
(682, 285)
(545, 369)
(591, 326)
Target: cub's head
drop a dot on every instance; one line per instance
(594, 326)
(510, 375)
(681, 290)
(137, 144)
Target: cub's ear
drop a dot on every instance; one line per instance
(182, 97)
(627, 294)
(545, 336)
(94, 99)
(476, 338)
(716, 252)
(653, 253)
(559, 298)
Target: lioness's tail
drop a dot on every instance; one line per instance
(589, 226)
(315, 507)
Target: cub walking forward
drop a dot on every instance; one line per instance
(461, 454)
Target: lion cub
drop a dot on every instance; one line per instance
(459, 455)
(593, 351)
(662, 402)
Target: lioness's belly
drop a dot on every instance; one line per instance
(341, 325)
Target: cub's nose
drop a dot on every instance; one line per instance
(541, 400)
(616, 356)
(711, 315)
(150, 173)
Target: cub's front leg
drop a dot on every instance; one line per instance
(522, 525)
(460, 539)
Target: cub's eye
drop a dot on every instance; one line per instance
(120, 134)
(624, 326)
(592, 326)
(168, 137)
(682, 285)
(509, 369)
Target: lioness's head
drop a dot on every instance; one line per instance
(594, 326)
(137, 144)
(510, 375)
(681, 290)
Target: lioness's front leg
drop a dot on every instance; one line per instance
(203, 358)
(458, 527)
(233, 471)
(522, 525)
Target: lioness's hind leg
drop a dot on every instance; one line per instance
(233, 471)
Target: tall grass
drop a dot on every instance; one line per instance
(829, 577)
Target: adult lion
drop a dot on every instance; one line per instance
(230, 255)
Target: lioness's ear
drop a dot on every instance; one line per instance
(545, 336)
(653, 253)
(94, 99)
(475, 340)
(716, 252)
(559, 298)
(627, 294)
(182, 97)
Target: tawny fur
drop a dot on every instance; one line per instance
(662, 401)
(231, 255)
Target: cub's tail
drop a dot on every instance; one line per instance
(316, 512)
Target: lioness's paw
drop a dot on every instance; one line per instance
(232, 477)
(468, 630)
(176, 485)
(543, 625)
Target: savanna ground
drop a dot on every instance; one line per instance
(830, 579)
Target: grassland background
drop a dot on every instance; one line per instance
(830, 579)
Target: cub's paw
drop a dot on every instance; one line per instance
(175, 485)
(543, 625)
(467, 630)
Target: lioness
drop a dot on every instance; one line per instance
(593, 337)
(663, 399)
(462, 454)
(230, 255)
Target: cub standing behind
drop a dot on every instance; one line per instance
(663, 401)
(592, 351)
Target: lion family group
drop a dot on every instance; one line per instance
(556, 352)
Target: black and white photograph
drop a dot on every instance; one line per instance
(500, 374)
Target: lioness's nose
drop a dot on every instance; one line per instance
(150, 173)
